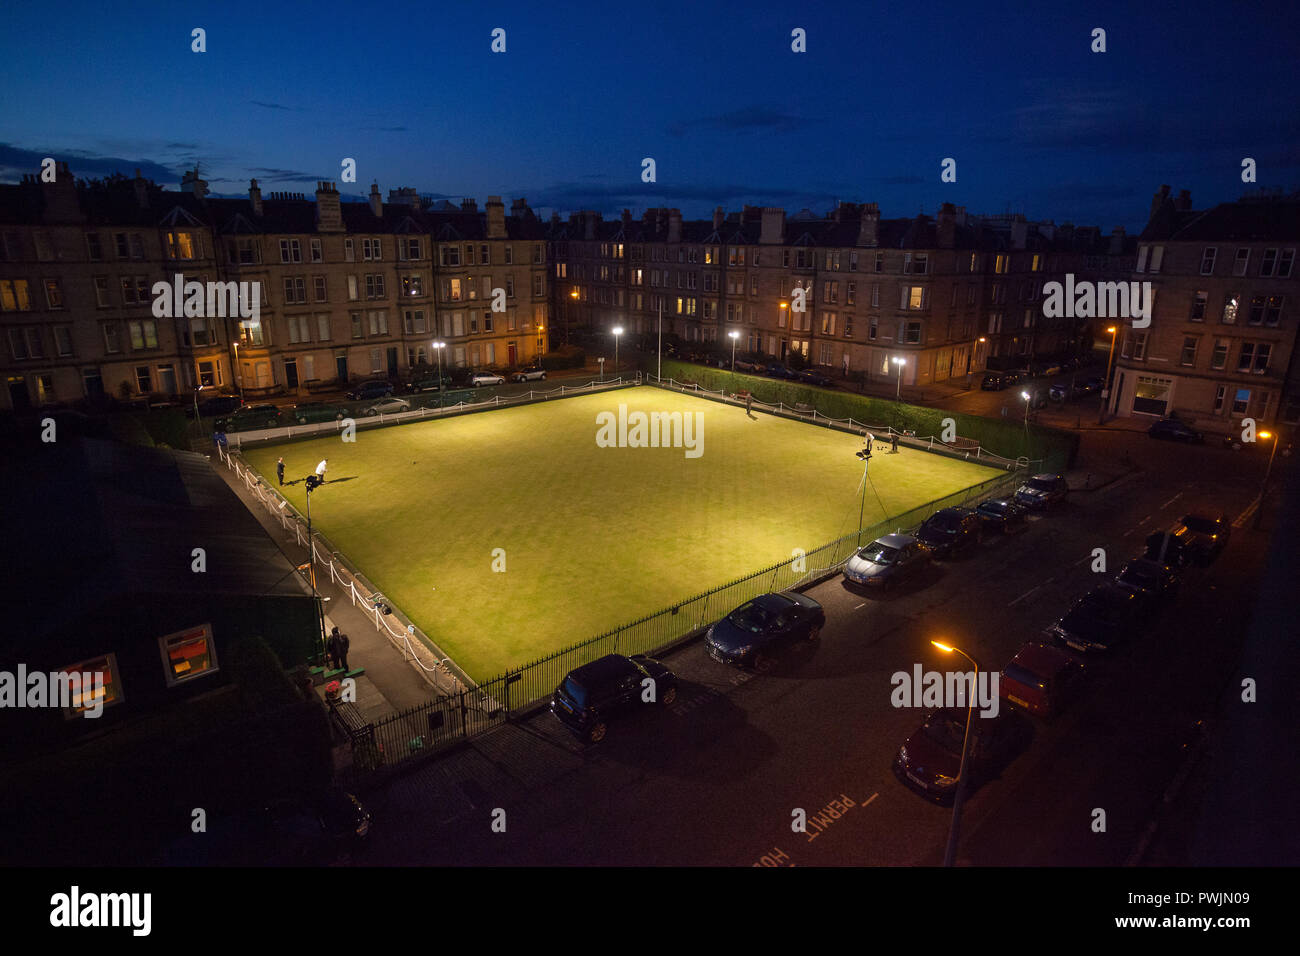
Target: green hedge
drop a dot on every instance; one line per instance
(566, 356)
(1055, 447)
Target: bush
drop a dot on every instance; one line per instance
(566, 356)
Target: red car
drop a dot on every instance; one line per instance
(1041, 679)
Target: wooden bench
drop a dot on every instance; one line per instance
(348, 718)
(804, 409)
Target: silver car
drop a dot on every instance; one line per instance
(486, 378)
(886, 561)
(389, 406)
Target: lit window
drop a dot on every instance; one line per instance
(188, 654)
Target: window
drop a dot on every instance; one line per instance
(848, 326)
(1199, 300)
(412, 285)
(413, 322)
(135, 290)
(112, 338)
(1219, 394)
(137, 246)
(971, 293)
(188, 654)
(349, 250)
(1254, 357)
(1241, 261)
(510, 255)
(299, 329)
(317, 254)
(831, 291)
(850, 293)
(26, 343)
(290, 250)
(1219, 357)
(537, 284)
(1036, 264)
(875, 295)
(1230, 303)
(181, 245)
(375, 285)
(1151, 395)
(103, 688)
(371, 250)
(352, 288)
(1189, 350)
(1208, 255)
(244, 252)
(1241, 401)
(62, 340)
(1284, 263)
(143, 380)
(378, 321)
(510, 287)
(376, 361)
(1139, 346)
(1272, 310)
(250, 333)
(914, 297)
(322, 327)
(449, 255)
(537, 254)
(1157, 256)
(144, 334)
(912, 333)
(94, 251)
(916, 263)
(828, 323)
(318, 288)
(880, 262)
(357, 330)
(872, 330)
(15, 295)
(295, 289)
(1000, 263)
(53, 294)
(202, 333)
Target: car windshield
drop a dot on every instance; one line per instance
(750, 617)
(1023, 676)
(1042, 484)
(1200, 524)
(948, 733)
(996, 507)
(879, 553)
(1142, 577)
(576, 691)
(944, 522)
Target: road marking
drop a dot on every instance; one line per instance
(1171, 501)
(1030, 591)
(867, 802)
(1127, 533)
(1144, 521)
(860, 606)
(1242, 518)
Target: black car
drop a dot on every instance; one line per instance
(216, 405)
(263, 415)
(427, 383)
(1001, 515)
(777, 370)
(950, 531)
(1105, 616)
(749, 634)
(930, 759)
(813, 377)
(1042, 492)
(1172, 429)
(993, 383)
(1093, 383)
(1208, 535)
(886, 562)
(1152, 580)
(1173, 547)
(593, 693)
(370, 390)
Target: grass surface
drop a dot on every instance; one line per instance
(593, 537)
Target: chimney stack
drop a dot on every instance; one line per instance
(1117, 237)
(1184, 201)
(329, 215)
(141, 190)
(1019, 231)
(589, 220)
(771, 230)
(1158, 200)
(869, 231)
(674, 225)
(404, 196)
(469, 205)
(376, 202)
(255, 197)
(190, 183)
(946, 226)
(717, 219)
(60, 196)
(496, 218)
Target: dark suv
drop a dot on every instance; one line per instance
(615, 684)
(369, 390)
(950, 531)
(1042, 492)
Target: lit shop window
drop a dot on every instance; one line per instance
(188, 654)
(98, 686)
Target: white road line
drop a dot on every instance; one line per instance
(1144, 521)
(860, 606)
(1030, 591)
(869, 799)
(1171, 501)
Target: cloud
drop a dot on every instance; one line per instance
(754, 119)
(612, 200)
(15, 161)
(386, 129)
(277, 106)
(276, 175)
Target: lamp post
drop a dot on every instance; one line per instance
(900, 362)
(1263, 487)
(865, 455)
(438, 346)
(239, 374)
(312, 482)
(733, 335)
(659, 367)
(617, 331)
(1026, 396)
(601, 360)
(567, 316)
(1105, 391)
(950, 854)
(781, 325)
(975, 357)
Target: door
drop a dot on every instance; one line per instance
(341, 365)
(167, 379)
(291, 373)
(511, 354)
(392, 362)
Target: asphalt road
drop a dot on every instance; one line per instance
(715, 779)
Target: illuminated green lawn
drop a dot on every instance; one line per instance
(593, 537)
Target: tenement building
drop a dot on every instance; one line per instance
(944, 296)
(1221, 343)
(345, 290)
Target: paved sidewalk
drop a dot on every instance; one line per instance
(395, 680)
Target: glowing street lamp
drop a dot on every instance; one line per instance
(1263, 487)
(1105, 391)
(437, 350)
(1026, 396)
(950, 854)
(733, 335)
(900, 362)
(616, 331)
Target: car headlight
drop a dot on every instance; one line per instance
(742, 651)
(943, 780)
(902, 754)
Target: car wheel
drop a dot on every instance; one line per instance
(371, 412)
(761, 662)
(542, 377)
(596, 733)
(669, 696)
(814, 632)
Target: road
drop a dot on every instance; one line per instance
(715, 779)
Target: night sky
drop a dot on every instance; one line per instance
(1037, 123)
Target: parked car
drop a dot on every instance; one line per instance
(1041, 679)
(1173, 429)
(388, 406)
(590, 695)
(529, 373)
(887, 562)
(1011, 378)
(930, 759)
(1037, 397)
(369, 390)
(1105, 616)
(262, 415)
(1001, 515)
(950, 531)
(749, 362)
(1058, 392)
(486, 378)
(993, 383)
(750, 634)
(777, 370)
(1208, 535)
(1042, 492)
(215, 405)
(1172, 547)
(1154, 581)
(427, 383)
(814, 377)
(1093, 383)
(307, 413)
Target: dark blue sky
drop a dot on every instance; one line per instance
(1036, 122)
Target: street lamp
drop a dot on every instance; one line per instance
(617, 331)
(437, 350)
(1026, 396)
(568, 316)
(865, 455)
(974, 360)
(782, 325)
(900, 362)
(950, 854)
(1263, 487)
(733, 335)
(239, 375)
(312, 482)
(1105, 391)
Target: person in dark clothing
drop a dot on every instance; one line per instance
(893, 444)
(342, 653)
(332, 649)
(279, 470)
